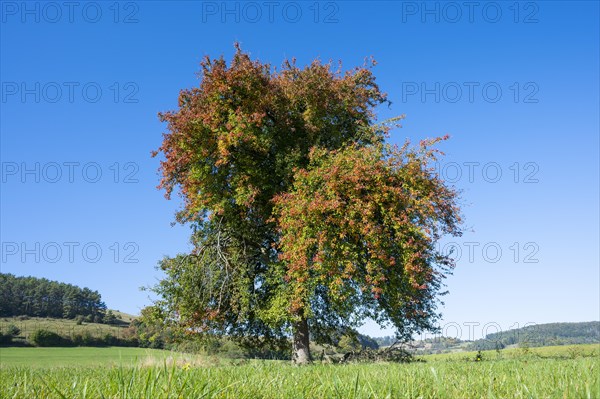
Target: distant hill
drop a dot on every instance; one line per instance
(550, 334)
(126, 317)
(542, 335)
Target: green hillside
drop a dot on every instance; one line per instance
(542, 335)
(550, 334)
(64, 327)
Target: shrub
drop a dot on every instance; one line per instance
(390, 354)
(13, 330)
(231, 350)
(77, 340)
(349, 343)
(5, 339)
(110, 318)
(110, 340)
(88, 339)
(85, 339)
(43, 337)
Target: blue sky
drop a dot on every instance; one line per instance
(514, 84)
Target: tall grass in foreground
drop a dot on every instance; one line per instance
(527, 377)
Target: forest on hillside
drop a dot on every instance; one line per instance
(542, 335)
(40, 297)
(549, 334)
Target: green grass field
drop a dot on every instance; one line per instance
(550, 372)
(83, 357)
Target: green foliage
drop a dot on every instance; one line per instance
(349, 343)
(353, 341)
(48, 338)
(110, 318)
(7, 334)
(367, 342)
(151, 330)
(13, 330)
(5, 339)
(395, 355)
(300, 214)
(39, 297)
(358, 241)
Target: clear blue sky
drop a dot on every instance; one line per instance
(516, 87)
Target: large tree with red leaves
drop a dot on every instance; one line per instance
(304, 221)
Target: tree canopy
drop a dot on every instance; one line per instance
(40, 297)
(304, 220)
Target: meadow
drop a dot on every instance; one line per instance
(548, 372)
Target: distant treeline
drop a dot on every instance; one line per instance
(534, 335)
(542, 335)
(40, 297)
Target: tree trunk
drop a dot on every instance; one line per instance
(301, 343)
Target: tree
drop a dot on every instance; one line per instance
(304, 220)
(349, 343)
(110, 318)
(40, 297)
